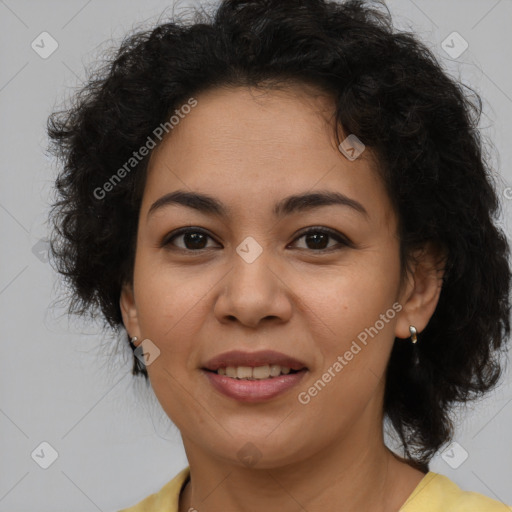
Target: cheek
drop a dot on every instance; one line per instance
(357, 307)
(345, 301)
(162, 291)
(162, 300)
(173, 304)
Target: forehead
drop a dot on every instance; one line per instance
(245, 145)
(245, 120)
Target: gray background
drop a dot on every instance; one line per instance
(65, 383)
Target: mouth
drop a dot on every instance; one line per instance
(254, 377)
(261, 359)
(247, 389)
(254, 373)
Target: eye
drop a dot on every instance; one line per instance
(316, 238)
(194, 239)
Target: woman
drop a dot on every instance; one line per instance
(287, 209)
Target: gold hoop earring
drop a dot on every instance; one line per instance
(414, 332)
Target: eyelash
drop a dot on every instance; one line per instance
(345, 242)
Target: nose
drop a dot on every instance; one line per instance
(254, 292)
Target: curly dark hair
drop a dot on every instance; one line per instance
(389, 90)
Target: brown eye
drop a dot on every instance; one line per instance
(193, 239)
(317, 239)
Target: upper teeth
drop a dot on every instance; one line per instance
(258, 372)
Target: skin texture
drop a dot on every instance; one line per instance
(293, 298)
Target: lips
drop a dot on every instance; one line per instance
(253, 359)
(252, 391)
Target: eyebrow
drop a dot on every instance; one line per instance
(292, 204)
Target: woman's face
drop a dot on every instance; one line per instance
(246, 278)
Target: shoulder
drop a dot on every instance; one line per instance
(437, 493)
(166, 499)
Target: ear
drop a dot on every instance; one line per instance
(129, 312)
(420, 294)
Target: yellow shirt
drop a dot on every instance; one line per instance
(434, 493)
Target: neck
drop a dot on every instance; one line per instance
(359, 473)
